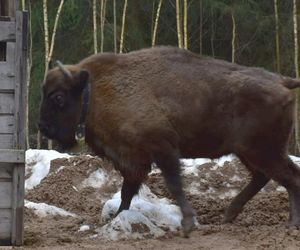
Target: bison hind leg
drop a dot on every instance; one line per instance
(167, 160)
(258, 181)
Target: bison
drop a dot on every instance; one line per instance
(160, 104)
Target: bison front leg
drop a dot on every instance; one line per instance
(129, 189)
(168, 162)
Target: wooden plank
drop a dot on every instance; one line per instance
(21, 78)
(6, 124)
(7, 103)
(20, 102)
(7, 76)
(8, 31)
(18, 205)
(10, 54)
(6, 141)
(12, 8)
(5, 225)
(5, 171)
(12, 156)
(5, 195)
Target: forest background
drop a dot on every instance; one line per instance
(261, 33)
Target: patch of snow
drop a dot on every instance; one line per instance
(190, 166)
(43, 209)
(130, 224)
(226, 158)
(231, 193)
(281, 189)
(194, 188)
(146, 211)
(235, 178)
(96, 179)
(39, 163)
(84, 228)
(59, 169)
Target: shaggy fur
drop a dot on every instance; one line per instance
(156, 105)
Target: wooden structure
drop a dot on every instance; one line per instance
(13, 54)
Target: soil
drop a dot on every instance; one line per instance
(261, 225)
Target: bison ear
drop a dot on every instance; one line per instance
(82, 80)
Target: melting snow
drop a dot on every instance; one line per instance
(147, 210)
(43, 209)
(38, 162)
(84, 228)
(96, 179)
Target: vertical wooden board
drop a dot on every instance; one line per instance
(7, 103)
(6, 141)
(5, 195)
(6, 124)
(5, 172)
(10, 53)
(5, 226)
(18, 205)
(7, 76)
(21, 78)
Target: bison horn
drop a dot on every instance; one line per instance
(66, 72)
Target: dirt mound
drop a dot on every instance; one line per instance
(210, 190)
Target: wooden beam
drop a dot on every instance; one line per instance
(12, 155)
(8, 31)
(5, 226)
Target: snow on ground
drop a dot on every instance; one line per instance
(42, 209)
(146, 210)
(38, 163)
(96, 179)
(149, 216)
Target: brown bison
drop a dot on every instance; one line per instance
(157, 105)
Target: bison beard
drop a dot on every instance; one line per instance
(157, 105)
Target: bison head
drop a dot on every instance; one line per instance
(62, 103)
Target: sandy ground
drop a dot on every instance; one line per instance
(260, 226)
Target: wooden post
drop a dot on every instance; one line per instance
(19, 121)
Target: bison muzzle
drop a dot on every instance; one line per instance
(157, 105)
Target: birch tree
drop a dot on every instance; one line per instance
(49, 47)
(123, 25)
(102, 22)
(178, 23)
(115, 26)
(233, 36)
(185, 26)
(156, 23)
(277, 36)
(95, 33)
(201, 27)
(296, 61)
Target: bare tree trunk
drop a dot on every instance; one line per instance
(295, 14)
(46, 44)
(156, 23)
(185, 27)
(212, 37)
(123, 25)
(201, 28)
(102, 21)
(115, 27)
(178, 22)
(49, 49)
(277, 36)
(95, 26)
(233, 37)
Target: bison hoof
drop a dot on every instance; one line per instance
(188, 225)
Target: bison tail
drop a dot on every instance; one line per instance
(290, 83)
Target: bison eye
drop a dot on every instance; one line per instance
(59, 100)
